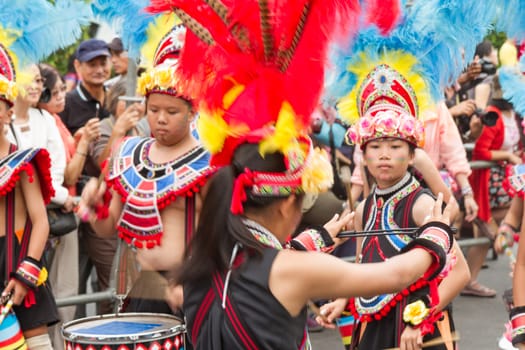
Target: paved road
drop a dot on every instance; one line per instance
(478, 320)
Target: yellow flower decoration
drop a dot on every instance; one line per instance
(318, 175)
(8, 89)
(414, 313)
(42, 278)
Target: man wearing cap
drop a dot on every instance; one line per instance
(92, 63)
(119, 61)
(86, 101)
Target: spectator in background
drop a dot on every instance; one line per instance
(119, 61)
(85, 102)
(63, 273)
(123, 121)
(71, 78)
(87, 99)
(497, 143)
(32, 127)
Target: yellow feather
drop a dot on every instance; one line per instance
(402, 62)
(155, 32)
(213, 130)
(286, 132)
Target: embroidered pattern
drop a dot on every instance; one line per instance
(382, 217)
(146, 187)
(18, 161)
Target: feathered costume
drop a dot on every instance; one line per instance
(28, 33)
(255, 70)
(383, 80)
(146, 188)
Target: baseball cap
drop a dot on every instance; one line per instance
(116, 45)
(89, 49)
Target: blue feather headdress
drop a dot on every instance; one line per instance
(440, 34)
(30, 30)
(511, 18)
(512, 83)
(40, 28)
(128, 19)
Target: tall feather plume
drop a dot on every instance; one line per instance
(258, 60)
(437, 32)
(128, 19)
(41, 27)
(239, 54)
(384, 14)
(512, 83)
(156, 31)
(511, 18)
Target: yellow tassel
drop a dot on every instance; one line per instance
(213, 130)
(286, 132)
(42, 278)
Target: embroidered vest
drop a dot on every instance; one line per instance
(146, 187)
(390, 211)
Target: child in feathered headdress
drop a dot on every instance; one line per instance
(257, 83)
(25, 188)
(155, 185)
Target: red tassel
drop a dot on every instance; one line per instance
(30, 299)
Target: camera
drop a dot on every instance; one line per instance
(487, 118)
(487, 67)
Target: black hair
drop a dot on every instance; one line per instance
(115, 91)
(50, 75)
(484, 48)
(218, 229)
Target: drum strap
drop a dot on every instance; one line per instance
(10, 232)
(189, 223)
(237, 326)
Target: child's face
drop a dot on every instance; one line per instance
(388, 160)
(169, 118)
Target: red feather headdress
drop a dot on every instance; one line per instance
(256, 68)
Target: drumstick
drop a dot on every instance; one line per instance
(5, 310)
(454, 336)
(346, 178)
(410, 231)
(315, 309)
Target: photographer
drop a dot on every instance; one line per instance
(470, 97)
(498, 143)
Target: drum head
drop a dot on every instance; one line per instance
(125, 328)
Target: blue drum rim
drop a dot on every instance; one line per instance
(147, 336)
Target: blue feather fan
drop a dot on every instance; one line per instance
(128, 19)
(441, 34)
(41, 27)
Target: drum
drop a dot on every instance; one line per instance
(128, 331)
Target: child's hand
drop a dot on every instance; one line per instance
(330, 312)
(437, 214)
(345, 221)
(174, 296)
(17, 289)
(411, 339)
(92, 196)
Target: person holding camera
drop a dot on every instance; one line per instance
(498, 143)
(470, 96)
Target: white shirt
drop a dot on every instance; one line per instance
(41, 131)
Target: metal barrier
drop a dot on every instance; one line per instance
(110, 294)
